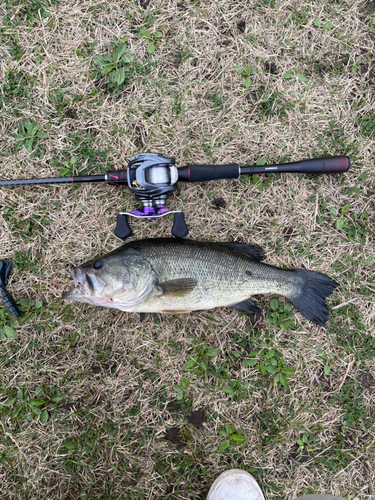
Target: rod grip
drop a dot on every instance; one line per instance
(201, 173)
(329, 165)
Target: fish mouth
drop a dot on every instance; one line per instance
(86, 285)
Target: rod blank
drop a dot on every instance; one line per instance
(53, 180)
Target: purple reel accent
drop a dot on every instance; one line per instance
(147, 211)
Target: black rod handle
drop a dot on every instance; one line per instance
(328, 165)
(201, 173)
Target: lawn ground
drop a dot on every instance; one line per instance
(93, 403)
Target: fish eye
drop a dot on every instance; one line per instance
(98, 264)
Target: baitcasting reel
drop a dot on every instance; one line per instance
(151, 177)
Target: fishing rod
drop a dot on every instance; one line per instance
(152, 178)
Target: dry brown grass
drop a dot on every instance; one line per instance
(117, 375)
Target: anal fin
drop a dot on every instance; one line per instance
(247, 306)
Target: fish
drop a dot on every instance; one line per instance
(175, 275)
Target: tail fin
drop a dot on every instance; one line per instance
(313, 290)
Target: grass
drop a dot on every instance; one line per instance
(96, 405)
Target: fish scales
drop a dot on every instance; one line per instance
(224, 276)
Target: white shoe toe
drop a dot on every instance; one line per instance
(235, 484)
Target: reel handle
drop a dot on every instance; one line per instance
(123, 230)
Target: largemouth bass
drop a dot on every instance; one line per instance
(169, 275)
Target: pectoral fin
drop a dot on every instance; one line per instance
(177, 288)
(247, 306)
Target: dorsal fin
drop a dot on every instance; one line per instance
(255, 252)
